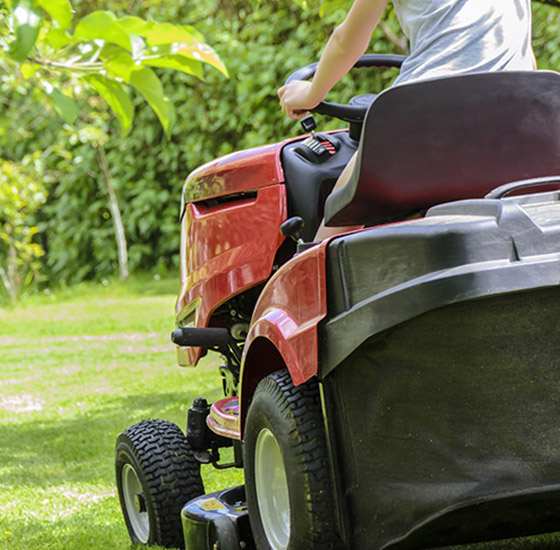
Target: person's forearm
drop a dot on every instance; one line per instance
(347, 43)
(337, 59)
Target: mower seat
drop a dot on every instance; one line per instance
(451, 138)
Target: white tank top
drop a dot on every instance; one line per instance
(449, 37)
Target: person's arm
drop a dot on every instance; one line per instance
(347, 43)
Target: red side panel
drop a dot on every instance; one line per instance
(226, 249)
(288, 311)
(236, 173)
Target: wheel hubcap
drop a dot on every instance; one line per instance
(140, 503)
(135, 503)
(272, 490)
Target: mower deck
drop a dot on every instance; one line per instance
(218, 520)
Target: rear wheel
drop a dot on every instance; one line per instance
(287, 473)
(156, 475)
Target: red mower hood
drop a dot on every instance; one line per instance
(236, 173)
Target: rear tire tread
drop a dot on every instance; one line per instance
(301, 406)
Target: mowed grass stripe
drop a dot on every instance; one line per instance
(74, 373)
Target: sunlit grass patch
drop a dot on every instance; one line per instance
(74, 373)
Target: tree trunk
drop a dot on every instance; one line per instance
(10, 276)
(7, 285)
(115, 215)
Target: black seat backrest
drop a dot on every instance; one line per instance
(450, 138)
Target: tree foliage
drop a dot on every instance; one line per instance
(58, 59)
(261, 43)
(106, 52)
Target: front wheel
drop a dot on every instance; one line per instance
(287, 473)
(156, 475)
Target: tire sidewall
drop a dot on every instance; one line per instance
(124, 454)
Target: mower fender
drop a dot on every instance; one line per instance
(284, 325)
(219, 264)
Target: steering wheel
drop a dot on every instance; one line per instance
(348, 113)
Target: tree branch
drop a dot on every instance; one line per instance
(86, 66)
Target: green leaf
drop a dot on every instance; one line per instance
(166, 33)
(27, 23)
(65, 107)
(177, 63)
(110, 51)
(202, 52)
(149, 85)
(134, 25)
(164, 56)
(57, 37)
(114, 94)
(120, 65)
(102, 25)
(198, 36)
(160, 33)
(59, 10)
(27, 70)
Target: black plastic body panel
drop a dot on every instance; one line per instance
(384, 276)
(445, 428)
(308, 183)
(440, 372)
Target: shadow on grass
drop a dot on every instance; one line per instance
(47, 453)
(52, 451)
(57, 474)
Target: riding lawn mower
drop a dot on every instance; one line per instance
(391, 387)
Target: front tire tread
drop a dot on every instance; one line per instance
(169, 473)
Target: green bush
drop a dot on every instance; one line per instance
(20, 198)
(260, 45)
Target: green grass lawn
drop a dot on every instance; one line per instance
(75, 371)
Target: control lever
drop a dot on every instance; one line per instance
(308, 124)
(293, 228)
